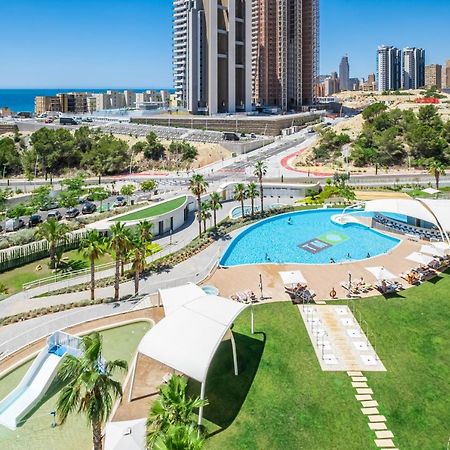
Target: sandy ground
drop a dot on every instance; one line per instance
(380, 195)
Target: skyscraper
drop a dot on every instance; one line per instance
(413, 68)
(344, 74)
(433, 76)
(447, 74)
(389, 68)
(212, 55)
(286, 53)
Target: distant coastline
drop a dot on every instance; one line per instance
(19, 100)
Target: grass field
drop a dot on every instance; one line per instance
(282, 400)
(152, 211)
(14, 279)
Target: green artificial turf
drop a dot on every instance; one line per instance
(152, 211)
(282, 400)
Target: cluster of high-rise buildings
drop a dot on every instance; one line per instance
(232, 55)
(89, 102)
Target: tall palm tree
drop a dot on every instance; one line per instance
(198, 186)
(119, 245)
(54, 233)
(179, 437)
(206, 214)
(260, 171)
(92, 246)
(252, 193)
(173, 407)
(145, 231)
(138, 255)
(239, 194)
(436, 169)
(90, 386)
(215, 205)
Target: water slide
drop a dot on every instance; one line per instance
(15, 406)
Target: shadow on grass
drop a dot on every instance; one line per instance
(225, 392)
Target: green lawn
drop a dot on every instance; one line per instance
(152, 211)
(282, 400)
(15, 278)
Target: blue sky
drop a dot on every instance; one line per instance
(127, 43)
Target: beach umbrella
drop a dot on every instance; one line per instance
(420, 258)
(380, 273)
(128, 435)
(292, 277)
(431, 191)
(432, 250)
(442, 246)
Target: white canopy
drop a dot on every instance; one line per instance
(129, 435)
(187, 339)
(431, 191)
(432, 250)
(174, 298)
(420, 258)
(436, 212)
(380, 273)
(442, 246)
(293, 277)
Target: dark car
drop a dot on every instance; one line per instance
(54, 215)
(88, 208)
(49, 206)
(71, 213)
(34, 220)
(120, 201)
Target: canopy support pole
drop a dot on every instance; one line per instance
(200, 410)
(252, 320)
(133, 374)
(233, 347)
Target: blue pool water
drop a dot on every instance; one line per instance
(305, 237)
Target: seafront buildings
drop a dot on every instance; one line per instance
(389, 68)
(413, 68)
(232, 53)
(433, 76)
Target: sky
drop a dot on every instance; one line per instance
(127, 43)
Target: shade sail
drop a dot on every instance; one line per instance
(431, 191)
(420, 258)
(293, 277)
(380, 273)
(173, 298)
(187, 339)
(129, 435)
(432, 250)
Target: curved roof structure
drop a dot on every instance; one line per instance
(188, 337)
(436, 212)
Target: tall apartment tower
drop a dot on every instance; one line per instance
(413, 68)
(433, 76)
(286, 52)
(446, 70)
(344, 75)
(389, 68)
(179, 49)
(212, 55)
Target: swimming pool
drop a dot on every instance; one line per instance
(305, 237)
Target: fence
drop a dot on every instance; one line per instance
(11, 258)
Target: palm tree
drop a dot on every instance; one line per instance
(436, 169)
(198, 186)
(206, 214)
(239, 195)
(90, 387)
(215, 205)
(252, 193)
(145, 231)
(260, 171)
(137, 256)
(119, 244)
(92, 246)
(179, 437)
(54, 233)
(172, 408)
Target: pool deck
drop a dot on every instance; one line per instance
(321, 278)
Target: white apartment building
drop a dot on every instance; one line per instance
(389, 68)
(413, 74)
(179, 49)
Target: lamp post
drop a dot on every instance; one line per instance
(349, 285)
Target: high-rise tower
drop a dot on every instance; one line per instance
(389, 68)
(344, 75)
(413, 68)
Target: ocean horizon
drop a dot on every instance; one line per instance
(22, 100)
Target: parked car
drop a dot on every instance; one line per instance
(35, 219)
(71, 213)
(88, 208)
(253, 136)
(49, 206)
(120, 201)
(14, 225)
(54, 215)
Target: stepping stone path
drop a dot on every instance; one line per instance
(376, 422)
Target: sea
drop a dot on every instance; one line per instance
(22, 100)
